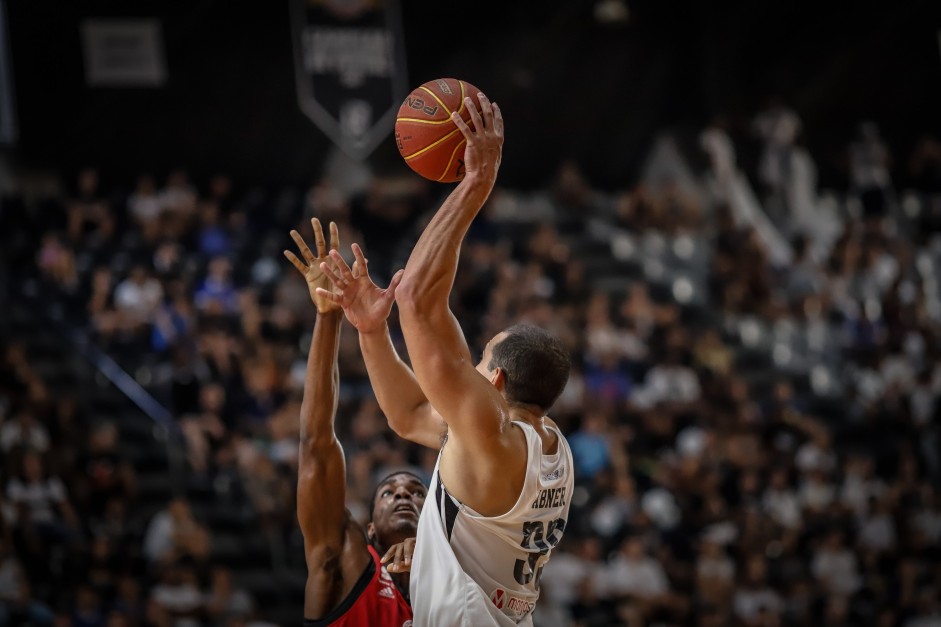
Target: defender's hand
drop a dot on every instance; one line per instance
(398, 559)
(313, 274)
(365, 304)
(485, 143)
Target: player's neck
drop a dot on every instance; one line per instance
(529, 414)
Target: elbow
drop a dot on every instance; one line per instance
(399, 423)
(314, 445)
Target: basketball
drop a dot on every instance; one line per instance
(427, 139)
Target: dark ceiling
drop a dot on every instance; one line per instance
(570, 88)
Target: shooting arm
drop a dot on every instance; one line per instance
(436, 344)
(406, 407)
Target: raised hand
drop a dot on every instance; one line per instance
(485, 143)
(313, 274)
(365, 304)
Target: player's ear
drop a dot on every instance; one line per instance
(371, 532)
(498, 379)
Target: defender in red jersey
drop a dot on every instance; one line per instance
(347, 583)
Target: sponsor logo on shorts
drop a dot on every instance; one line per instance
(513, 606)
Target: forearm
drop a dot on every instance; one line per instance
(322, 380)
(430, 271)
(393, 382)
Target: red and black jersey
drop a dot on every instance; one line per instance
(375, 601)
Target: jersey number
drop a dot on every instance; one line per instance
(539, 539)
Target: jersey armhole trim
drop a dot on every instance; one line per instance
(450, 511)
(337, 612)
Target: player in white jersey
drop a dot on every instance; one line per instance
(503, 479)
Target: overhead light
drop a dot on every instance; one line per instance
(611, 11)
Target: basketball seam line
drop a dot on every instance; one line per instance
(451, 160)
(432, 145)
(420, 121)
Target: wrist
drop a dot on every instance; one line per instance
(479, 180)
(331, 315)
(374, 331)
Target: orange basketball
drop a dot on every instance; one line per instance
(427, 139)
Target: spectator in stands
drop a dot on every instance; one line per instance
(18, 379)
(24, 431)
(128, 601)
(45, 513)
(835, 567)
(178, 196)
(17, 605)
(107, 472)
(217, 295)
(590, 446)
(90, 219)
(57, 262)
(715, 574)
(225, 600)
(145, 205)
(635, 579)
(173, 533)
(177, 595)
(214, 240)
(137, 297)
(755, 602)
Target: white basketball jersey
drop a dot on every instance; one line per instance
(471, 570)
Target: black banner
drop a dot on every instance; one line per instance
(7, 103)
(349, 61)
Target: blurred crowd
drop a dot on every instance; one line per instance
(753, 409)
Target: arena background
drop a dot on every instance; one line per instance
(729, 212)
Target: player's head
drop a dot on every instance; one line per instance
(396, 503)
(529, 366)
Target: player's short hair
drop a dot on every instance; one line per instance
(385, 480)
(535, 366)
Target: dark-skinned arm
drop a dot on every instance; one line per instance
(334, 547)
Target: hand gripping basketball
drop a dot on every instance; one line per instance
(485, 143)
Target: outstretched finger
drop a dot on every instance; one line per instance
(341, 266)
(486, 109)
(474, 115)
(331, 296)
(462, 126)
(360, 267)
(336, 279)
(391, 552)
(297, 262)
(497, 120)
(318, 238)
(302, 245)
(334, 236)
(397, 562)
